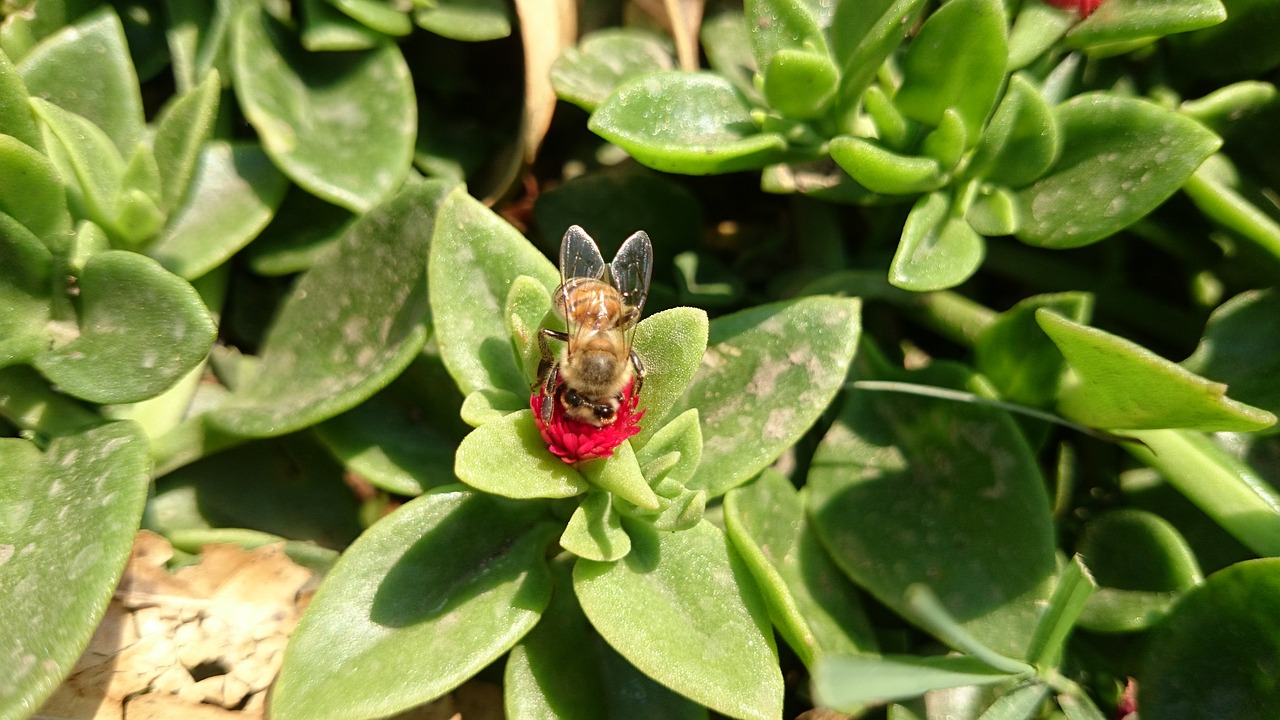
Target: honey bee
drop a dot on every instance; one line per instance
(600, 305)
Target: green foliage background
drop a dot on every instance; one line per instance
(914, 444)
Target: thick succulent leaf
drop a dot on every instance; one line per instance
(350, 326)
(849, 682)
(16, 119)
(69, 518)
(1037, 27)
(527, 305)
(883, 171)
(1071, 592)
(327, 29)
(994, 212)
(813, 606)
(507, 456)
(469, 289)
(563, 670)
(588, 74)
(1118, 21)
(84, 152)
(422, 601)
(85, 68)
(1021, 142)
(683, 608)
(949, 489)
(466, 20)
(1142, 563)
(1241, 348)
(767, 374)
(1121, 157)
(671, 345)
(387, 444)
(197, 35)
(141, 329)
(342, 126)
(726, 41)
(181, 130)
(31, 191)
(595, 530)
(376, 15)
(683, 435)
(234, 192)
(620, 475)
(956, 60)
(937, 250)
(778, 25)
(689, 123)
(1120, 385)
(863, 36)
(25, 286)
(1013, 353)
(1215, 654)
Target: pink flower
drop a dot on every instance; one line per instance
(574, 441)
(1084, 7)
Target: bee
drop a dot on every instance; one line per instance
(600, 305)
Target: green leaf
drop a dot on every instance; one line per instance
(1118, 21)
(1142, 563)
(16, 119)
(1215, 653)
(800, 84)
(466, 20)
(681, 435)
(1241, 348)
(993, 211)
(864, 35)
(85, 69)
(1120, 385)
(671, 345)
(726, 41)
(182, 128)
(620, 475)
(883, 171)
(31, 191)
(296, 490)
(234, 194)
(1079, 707)
(1239, 47)
(1072, 590)
(1016, 356)
(528, 302)
(327, 29)
(1121, 157)
(814, 607)
(604, 59)
(507, 456)
(69, 517)
(427, 597)
(140, 330)
(947, 142)
(469, 290)
(780, 25)
(488, 404)
(767, 374)
(1037, 27)
(956, 60)
(386, 443)
(25, 286)
(341, 125)
(595, 530)
(197, 35)
(689, 123)
(1021, 142)
(350, 326)
(683, 608)
(88, 155)
(377, 15)
(563, 670)
(951, 491)
(1020, 703)
(847, 682)
(938, 250)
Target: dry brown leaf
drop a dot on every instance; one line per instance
(547, 27)
(204, 639)
(683, 19)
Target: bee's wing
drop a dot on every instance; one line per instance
(579, 256)
(631, 269)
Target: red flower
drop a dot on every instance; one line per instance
(1084, 7)
(574, 441)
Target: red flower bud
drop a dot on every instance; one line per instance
(573, 441)
(1084, 7)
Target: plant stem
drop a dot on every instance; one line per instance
(955, 316)
(1233, 211)
(1225, 489)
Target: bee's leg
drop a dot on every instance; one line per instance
(547, 364)
(639, 366)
